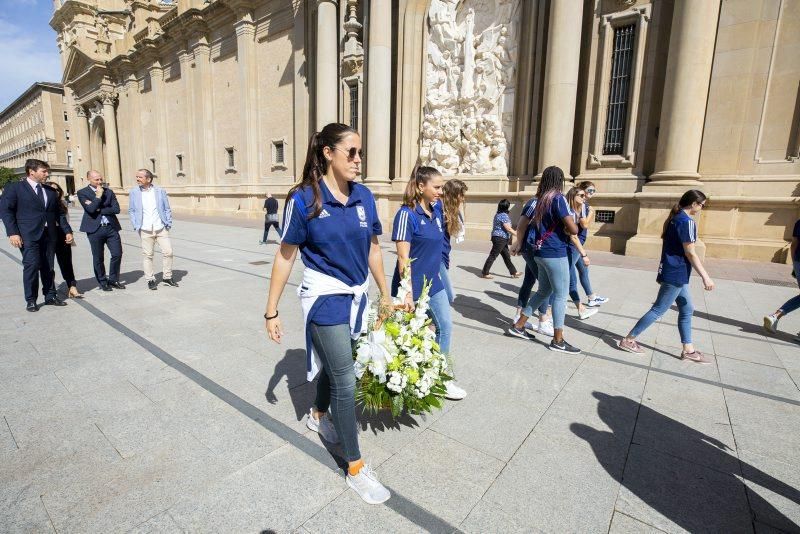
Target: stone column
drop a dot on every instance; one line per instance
(189, 112)
(83, 157)
(113, 170)
(203, 90)
(161, 133)
(327, 57)
(688, 75)
(248, 87)
(560, 84)
(379, 88)
(136, 151)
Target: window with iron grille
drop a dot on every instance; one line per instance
(231, 158)
(618, 94)
(153, 165)
(354, 105)
(278, 153)
(604, 216)
(179, 158)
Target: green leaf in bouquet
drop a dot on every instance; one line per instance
(397, 405)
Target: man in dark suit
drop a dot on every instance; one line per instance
(30, 212)
(100, 223)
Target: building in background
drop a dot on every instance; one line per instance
(36, 125)
(646, 98)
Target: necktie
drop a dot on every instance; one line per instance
(40, 192)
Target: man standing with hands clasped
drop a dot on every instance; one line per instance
(151, 217)
(100, 223)
(30, 211)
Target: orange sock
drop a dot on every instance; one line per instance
(355, 468)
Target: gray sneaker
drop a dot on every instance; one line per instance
(366, 484)
(324, 427)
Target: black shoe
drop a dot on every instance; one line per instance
(31, 306)
(152, 284)
(564, 347)
(520, 333)
(170, 282)
(104, 286)
(116, 285)
(54, 301)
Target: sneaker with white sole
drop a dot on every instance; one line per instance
(546, 328)
(587, 312)
(630, 345)
(528, 324)
(564, 347)
(597, 301)
(771, 323)
(366, 484)
(324, 427)
(520, 333)
(454, 391)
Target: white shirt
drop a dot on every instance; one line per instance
(33, 184)
(151, 220)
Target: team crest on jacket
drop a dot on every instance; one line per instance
(362, 214)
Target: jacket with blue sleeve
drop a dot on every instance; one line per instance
(162, 204)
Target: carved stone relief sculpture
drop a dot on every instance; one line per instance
(470, 81)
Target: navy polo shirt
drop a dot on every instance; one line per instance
(426, 235)
(583, 232)
(555, 245)
(527, 211)
(675, 267)
(796, 234)
(336, 242)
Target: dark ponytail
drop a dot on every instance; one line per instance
(316, 165)
(688, 198)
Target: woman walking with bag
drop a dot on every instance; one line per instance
(334, 223)
(453, 194)
(64, 245)
(502, 233)
(418, 235)
(677, 259)
(553, 223)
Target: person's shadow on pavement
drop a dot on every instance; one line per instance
(293, 367)
(701, 491)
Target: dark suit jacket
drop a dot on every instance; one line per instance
(96, 207)
(24, 215)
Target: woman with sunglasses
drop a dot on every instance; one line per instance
(453, 194)
(582, 273)
(678, 256)
(576, 254)
(64, 245)
(418, 235)
(333, 221)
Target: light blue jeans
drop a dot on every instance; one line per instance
(444, 275)
(442, 320)
(667, 294)
(531, 274)
(793, 303)
(553, 280)
(580, 272)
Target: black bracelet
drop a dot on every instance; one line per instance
(585, 256)
(270, 318)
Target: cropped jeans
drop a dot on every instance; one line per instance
(553, 280)
(336, 387)
(667, 294)
(793, 303)
(579, 271)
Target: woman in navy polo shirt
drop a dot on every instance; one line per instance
(418, 234)
(453, 194)
(576, 254)
(677, 259)
(771, 321)
(333, 221)
(553, 223)
(581, 271)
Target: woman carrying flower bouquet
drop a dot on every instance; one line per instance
(333, 221)
(553, 222)
(453, 194)
(418, 234)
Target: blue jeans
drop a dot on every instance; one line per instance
(553, 280)
(336, 386)
(442, 320)
(579, 271)
(667, 294)
(444, 275)
(531, 274)
(793, 303)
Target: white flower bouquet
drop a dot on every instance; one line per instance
(398, 363)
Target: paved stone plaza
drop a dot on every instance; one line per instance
(169, 411)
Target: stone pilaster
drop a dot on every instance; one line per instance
(83, 157)
(190, 154)
(113, 168)
(379, 81)
(327, 63)
(203, 91)
(248, 85)
(161, 133)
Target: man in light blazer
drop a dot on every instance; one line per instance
(151, 217)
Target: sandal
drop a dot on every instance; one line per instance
(516, 275)
(696, 356)
(487, 276)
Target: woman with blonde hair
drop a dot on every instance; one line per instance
(576, 254)
(453, 195)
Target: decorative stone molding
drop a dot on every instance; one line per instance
(640, 16)
(80, 112)
(353, 59)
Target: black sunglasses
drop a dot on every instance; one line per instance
(351, 154)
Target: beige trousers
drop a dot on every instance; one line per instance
(149, 240)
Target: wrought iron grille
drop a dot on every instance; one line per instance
(354, 106)
(278, 153)
(621, 67)
(604, 216)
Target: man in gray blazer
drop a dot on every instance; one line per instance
(151, 217)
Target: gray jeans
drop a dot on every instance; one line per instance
(336, 386)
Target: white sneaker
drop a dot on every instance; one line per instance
(324, 427)
(454, 391)
(546, 328)
(528, 324)
(587, 312)
(597, 301)
(366, 484)
(771, 323)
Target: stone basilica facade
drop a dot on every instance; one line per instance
(646, 98)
